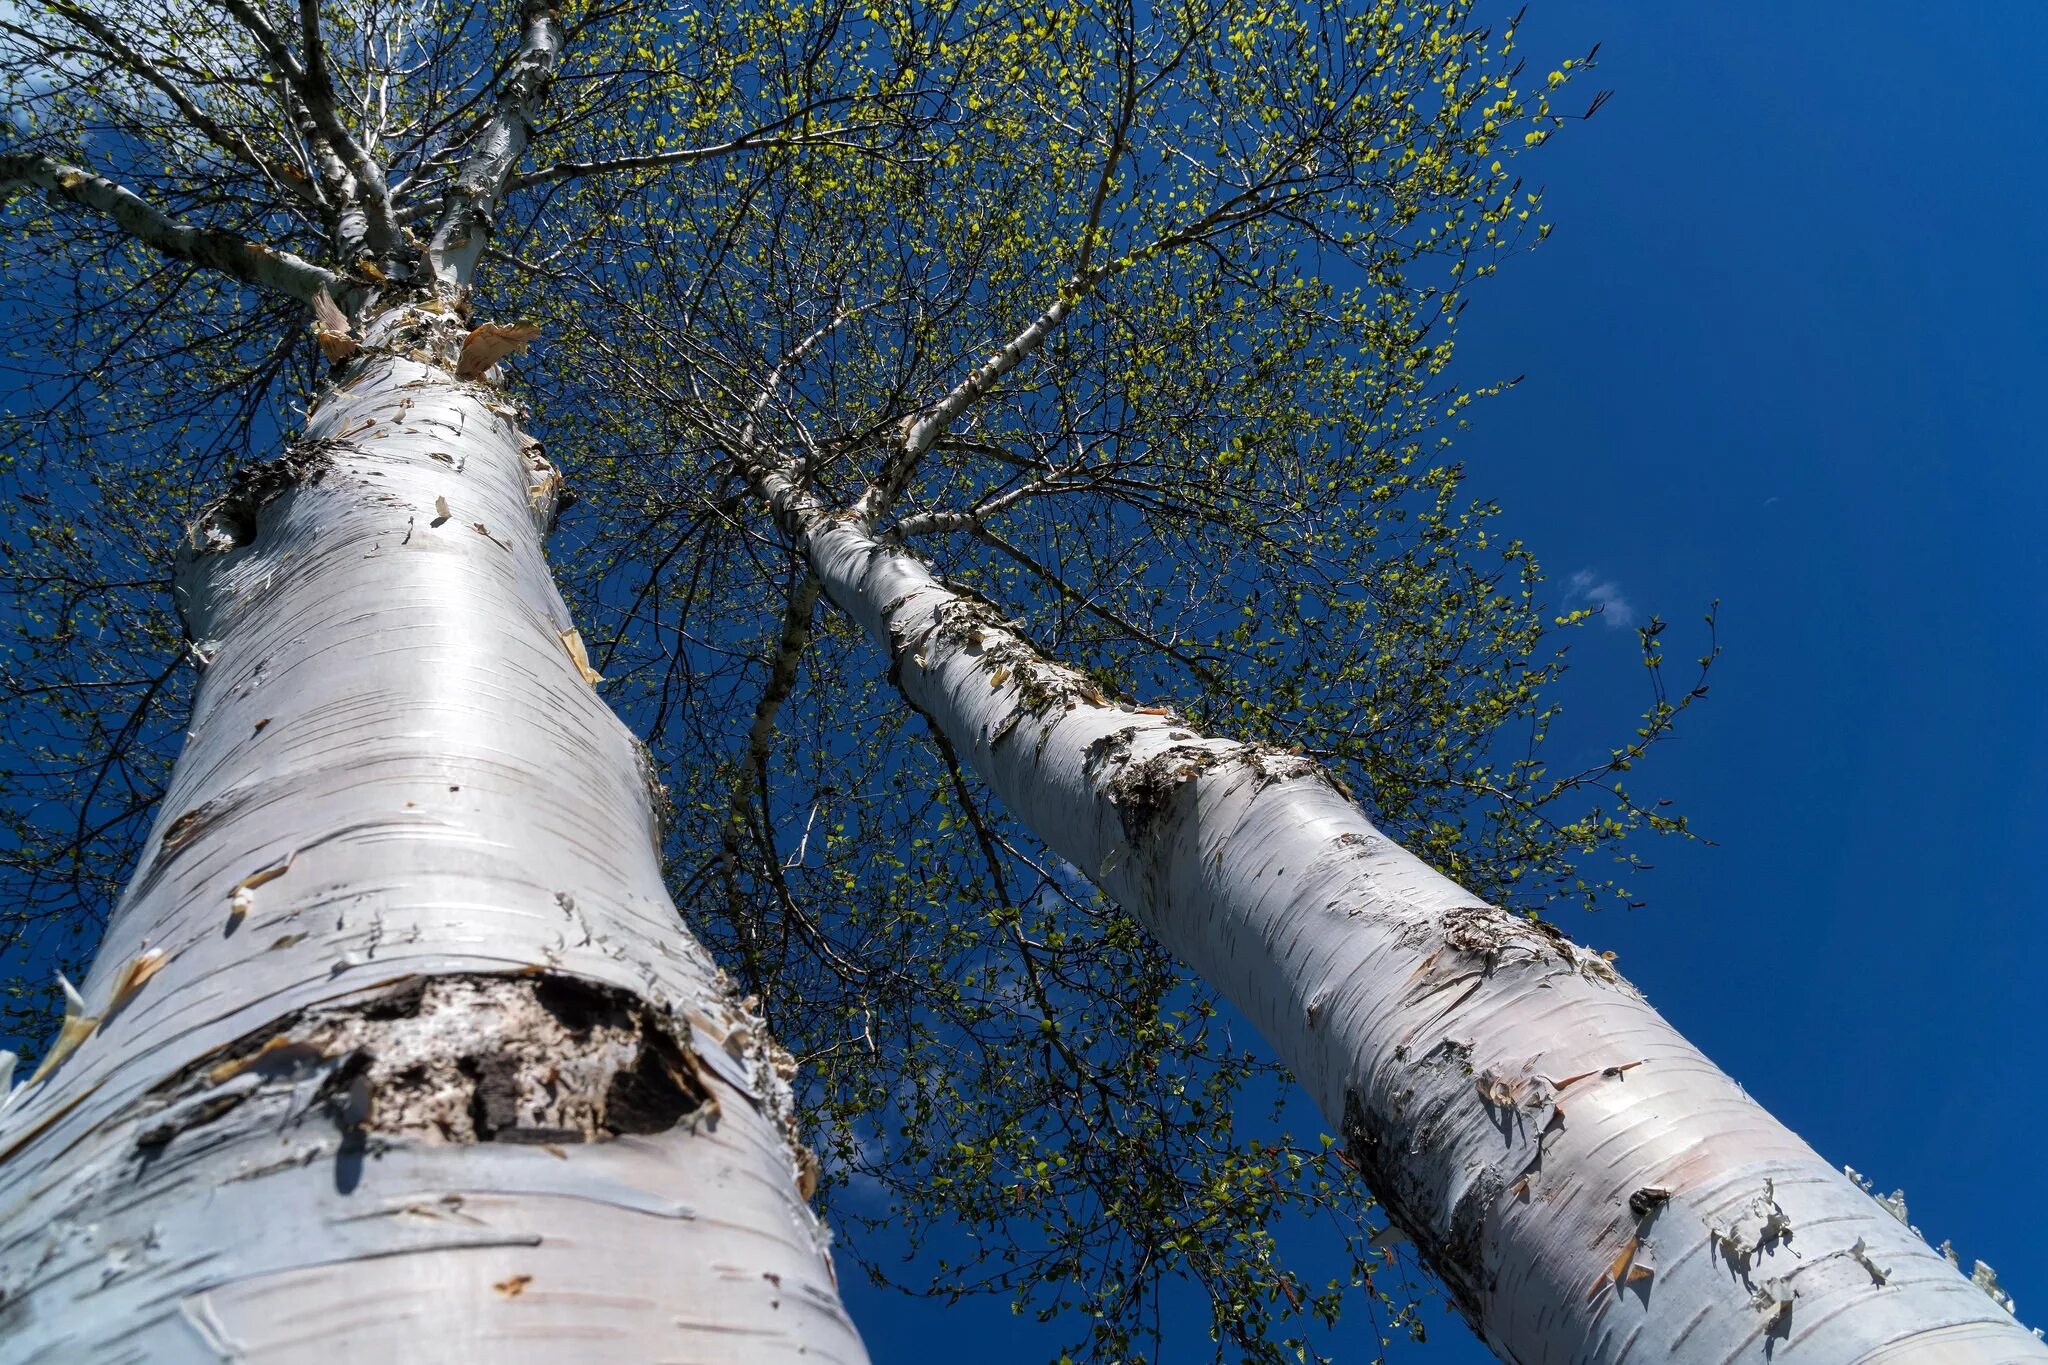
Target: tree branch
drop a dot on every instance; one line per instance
(216, 248)
(480, 187)
(1088, 604)
(752, 776)
(920, 432)
(316, 92)
(230, 140)
(760, 140)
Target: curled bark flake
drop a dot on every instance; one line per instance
(1497, 1091)
(242, 899)
(275, 1055)
(1616, 1274)
(572, 642)
(807, 1172)
(487, 345)
(1774, 1301)
(1005, 728)
(1860, 1253)
(331, 329)
(1619, 1069)
(76, 1028)
(139, 970)
(547, 494)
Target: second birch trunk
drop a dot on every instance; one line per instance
(1587, 1185)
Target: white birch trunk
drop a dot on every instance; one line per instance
(448, 1082)
(1587, 1185)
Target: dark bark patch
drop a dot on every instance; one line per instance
(1496, 939)
(1110, 750)
(155, 1136)
(574, 1006)
(1142, 791)
(458, 1059)
(188, 829)
(229, 522)
(658, 1092)
(401, 1002)
(1274, 765)
(661, 807)
(493, 1096)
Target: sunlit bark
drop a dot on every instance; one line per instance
(401, 1052)
(1586, 1184)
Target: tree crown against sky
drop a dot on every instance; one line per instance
(1135, 321)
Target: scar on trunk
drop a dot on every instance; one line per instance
(540, 1060)
(229, 521)
(1144, 790)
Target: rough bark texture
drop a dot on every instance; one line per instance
(403, 1054)
(1587, 1185)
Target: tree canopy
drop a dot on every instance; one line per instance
(1135, 321)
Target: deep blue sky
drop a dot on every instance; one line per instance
(1785, 348)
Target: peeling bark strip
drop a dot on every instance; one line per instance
(400, 1051)
(1588, 1186)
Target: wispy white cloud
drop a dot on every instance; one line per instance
(1594, 592)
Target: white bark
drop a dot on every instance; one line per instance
(1520, 1111)
(446, 1081)
(478, 193)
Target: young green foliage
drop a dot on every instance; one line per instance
(1137, 321)
(1138, 327)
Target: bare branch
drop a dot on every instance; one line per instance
(230, 140)
(759, 140)
(752, 776)
(1087, 603)
(774, 381)
(920, 433)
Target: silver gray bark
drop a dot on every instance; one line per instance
(1587, 1185)
(402, 1053)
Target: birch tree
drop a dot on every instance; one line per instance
(393, 1044)
(1135, 323)
(1158, 327)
